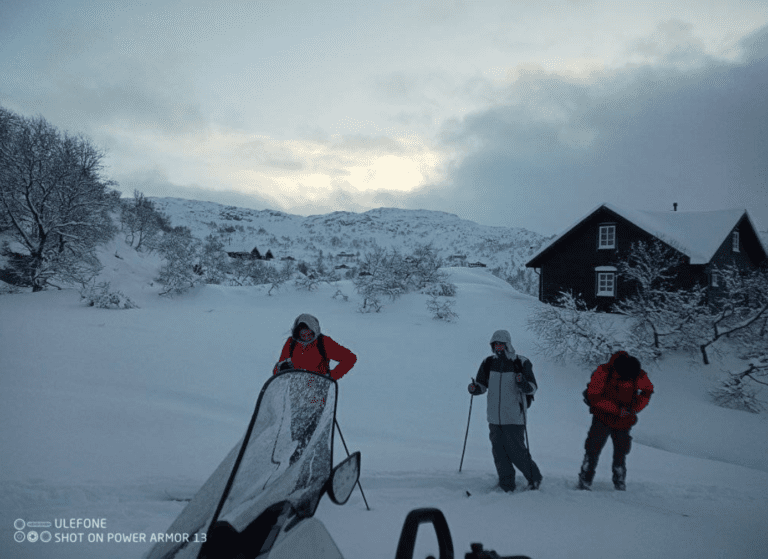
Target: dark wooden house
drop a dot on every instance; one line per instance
(583, 259)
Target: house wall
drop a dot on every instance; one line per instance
(749, 257)
(571, 265)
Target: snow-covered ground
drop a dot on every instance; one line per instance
(118, 415)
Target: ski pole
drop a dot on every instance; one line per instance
(345, 448)
(467, 433)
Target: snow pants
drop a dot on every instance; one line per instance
(508, 446)
(596, 439)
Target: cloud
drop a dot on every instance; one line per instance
(644, 135)
(155, 182)
(673, 42)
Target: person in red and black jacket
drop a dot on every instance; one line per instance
(617, 392)
(310, 350)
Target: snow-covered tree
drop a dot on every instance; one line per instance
(54, 200)
(213, 260)
(738, 312)
(734, 392)
(663, 316)
(141, 222)
(181, 252)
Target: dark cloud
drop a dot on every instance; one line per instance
(644, 135)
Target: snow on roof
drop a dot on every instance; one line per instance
(697, 234)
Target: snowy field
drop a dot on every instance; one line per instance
(120, 415)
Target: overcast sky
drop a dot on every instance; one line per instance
(521, 113)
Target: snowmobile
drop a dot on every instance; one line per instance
(261, 500)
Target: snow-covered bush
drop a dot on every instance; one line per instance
(441, 308)
(246, 271)
(180, 250)
(387, 273)
(340, 295)
(280, 276)
(733, 392)
(571, 331)
(213, 260)
(308, 282)
(102, 297)
(370, 303)
(8, 288)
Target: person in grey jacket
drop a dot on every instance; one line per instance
(508, 378)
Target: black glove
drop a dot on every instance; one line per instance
(473, 388)
(284, 365)
(525, 386)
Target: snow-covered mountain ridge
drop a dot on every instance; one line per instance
(303, 238)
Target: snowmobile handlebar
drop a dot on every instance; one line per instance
(407, 541)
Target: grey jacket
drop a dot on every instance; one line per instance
(497, 375)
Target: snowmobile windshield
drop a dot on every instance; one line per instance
(288, 453)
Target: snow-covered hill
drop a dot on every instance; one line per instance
(116, 415)
(305, 238)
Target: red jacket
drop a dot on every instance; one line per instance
(608, 394)
(308, 357)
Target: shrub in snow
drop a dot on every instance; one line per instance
(572, 331)
(733, 392)
(7, 288)
(370, 303)
(101, 297)
(280, 276)
(308, 282)
(213, 260)
(340, 295)
(390, 274)
(441, 308)
(180, 250)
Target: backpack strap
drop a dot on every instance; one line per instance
(518, 366)
(321, 348)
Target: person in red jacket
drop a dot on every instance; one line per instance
(617, 391)
(310, 350)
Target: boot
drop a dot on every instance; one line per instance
(619, 478)
(586, 474)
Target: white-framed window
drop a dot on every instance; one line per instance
(735, 241)
(713, 280)
(606, 284)
(607, 236)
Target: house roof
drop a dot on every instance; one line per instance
(698, 234)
